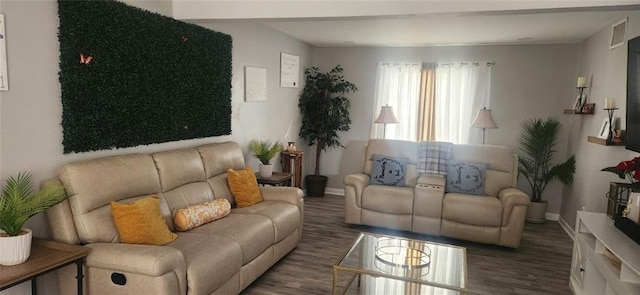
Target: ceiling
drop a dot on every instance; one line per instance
(451, 29)
(330, 23)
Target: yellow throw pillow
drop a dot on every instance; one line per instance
(244, 187)
(197, 215)
(141, 222)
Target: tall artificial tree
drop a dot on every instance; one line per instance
(324, 109)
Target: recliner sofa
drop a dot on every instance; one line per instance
(220, 257)
(423, 205)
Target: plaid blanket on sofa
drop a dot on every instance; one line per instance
(433, 157)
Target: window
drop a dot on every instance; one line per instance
(432, 101)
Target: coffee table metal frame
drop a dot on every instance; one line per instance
(358, 272)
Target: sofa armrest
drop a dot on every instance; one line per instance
(141, 259)
(358, 182)
(511, 197)
(292, 195)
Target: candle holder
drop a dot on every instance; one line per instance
(612, 129)
(581, 101)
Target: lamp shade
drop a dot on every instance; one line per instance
(484, 120)
(386, 116)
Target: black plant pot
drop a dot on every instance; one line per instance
(315, 185)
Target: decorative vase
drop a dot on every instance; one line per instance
(291, 146)
(15, 249)
(536, 212)
(265, 171)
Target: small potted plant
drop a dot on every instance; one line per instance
(265, 151)
(538, 141)
(18, 203)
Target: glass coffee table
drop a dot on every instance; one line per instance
(379, 264)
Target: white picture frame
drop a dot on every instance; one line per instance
(579, 103)
(289, 70)
(605, 129)
(4, 77)
(255, 84)
(603, 132)
(618, 34)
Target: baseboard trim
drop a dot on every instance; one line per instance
(551, 216)
(570, 232)
(334, 191)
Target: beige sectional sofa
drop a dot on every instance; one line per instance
(423, 206)
(221, 257)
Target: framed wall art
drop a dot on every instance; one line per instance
(255, 84)
(289, 70)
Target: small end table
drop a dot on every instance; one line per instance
(46, 256)
(286, 157)
(276, 179)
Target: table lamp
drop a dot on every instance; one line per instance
(385, 117)
(483, 120)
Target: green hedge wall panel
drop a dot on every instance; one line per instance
(131, 77)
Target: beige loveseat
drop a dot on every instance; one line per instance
(422, 205)
(221, 257)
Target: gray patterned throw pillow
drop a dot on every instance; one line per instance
(388, 170)
(466, 178)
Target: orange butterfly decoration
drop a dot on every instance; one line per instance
(85, 60)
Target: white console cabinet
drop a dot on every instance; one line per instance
(591, 271)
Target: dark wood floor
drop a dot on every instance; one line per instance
(539, 266)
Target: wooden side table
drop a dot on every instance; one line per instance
(286, 158)
(276, 179)
(46, 256)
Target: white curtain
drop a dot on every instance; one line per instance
(461, 90)
(397, 85)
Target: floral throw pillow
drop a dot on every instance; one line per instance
(466, 178)
(388, 170)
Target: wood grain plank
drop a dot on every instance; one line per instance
(540, 266)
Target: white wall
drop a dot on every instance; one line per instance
(30, 112)
(527, 81)
(607, 72)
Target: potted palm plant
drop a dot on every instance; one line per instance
(18, 203)
(325, 111)
(265, 151)
(538, 142)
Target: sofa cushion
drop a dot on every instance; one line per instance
(217, 158)
(141, 222)
(474, 210)
(285, 216)
(388, 170)
(254, 233)
(197, 215)
(244, 186)
(466, 178)
(388, 199)
(179, 167)
(188, 195)
(211, 260)
(92, 185)
(394, 148)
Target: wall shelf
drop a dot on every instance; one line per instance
(590, 110)
(602, 141)
(574, 112)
